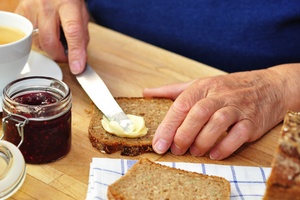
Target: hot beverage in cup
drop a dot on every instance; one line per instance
(9, 35)
(15, 46)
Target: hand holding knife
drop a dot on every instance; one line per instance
(100, 94)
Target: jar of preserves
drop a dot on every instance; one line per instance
(37, 118)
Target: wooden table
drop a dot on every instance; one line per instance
(127, 66)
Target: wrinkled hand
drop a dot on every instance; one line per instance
(48, 16)
(246, 105)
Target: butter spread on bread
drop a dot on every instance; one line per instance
(153, 110)
(139, 129)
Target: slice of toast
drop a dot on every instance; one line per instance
(150, 180)
(153, 110)
(284, 179)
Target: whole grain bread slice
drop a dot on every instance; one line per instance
(152, 109)
(150, 180)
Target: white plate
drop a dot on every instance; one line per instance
(39, 65)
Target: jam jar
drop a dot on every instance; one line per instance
(37, 118)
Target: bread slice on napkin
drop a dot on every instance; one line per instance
(152, 109)
(284, 179)
(149, 180)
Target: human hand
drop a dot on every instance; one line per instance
(245, 104)
(48, 16)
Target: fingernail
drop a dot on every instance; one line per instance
(195, 152)
(161, 146)
(214, 155)
(75, 67)
(176, 150)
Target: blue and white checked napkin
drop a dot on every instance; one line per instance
(246, 182)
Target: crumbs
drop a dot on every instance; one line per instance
(89, 110)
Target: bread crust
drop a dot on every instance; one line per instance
(152, 109)
(284, 179)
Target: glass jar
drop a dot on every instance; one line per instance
(37, 118)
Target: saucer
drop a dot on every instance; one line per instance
(39, 65)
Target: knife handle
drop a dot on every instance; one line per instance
(63, 40)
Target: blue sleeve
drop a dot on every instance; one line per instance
(229, 35)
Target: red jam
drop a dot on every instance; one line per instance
(37, 98)
(46, 139)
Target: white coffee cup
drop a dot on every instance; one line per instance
(14, 55)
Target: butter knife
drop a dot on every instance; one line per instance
(94, 86)
(97, 90)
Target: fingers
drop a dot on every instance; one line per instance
(165, 132)
(238, 135)
(201, 128)
(169, 91)
(177, 113)
(76, 33)
(196, 118)
(48, 16)
(24, 8)
(49, 36)
(219, 122)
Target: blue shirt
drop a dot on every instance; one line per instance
(229, 35)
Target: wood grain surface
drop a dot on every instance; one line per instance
(127, 66)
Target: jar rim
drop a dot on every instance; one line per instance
(35, 84)
(8, 98)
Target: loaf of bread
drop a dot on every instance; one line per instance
(150, 180)
(152, 110)
(284, 179)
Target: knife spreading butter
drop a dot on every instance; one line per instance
(138, 130)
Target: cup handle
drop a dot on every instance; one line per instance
(35, 31)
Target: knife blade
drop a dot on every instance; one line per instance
(97, 90)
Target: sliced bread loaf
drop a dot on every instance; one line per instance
(150, 180)
(153, 110)
(284, 180)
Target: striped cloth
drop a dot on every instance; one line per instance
(246, 182)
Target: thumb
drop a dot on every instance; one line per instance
(74, 33)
